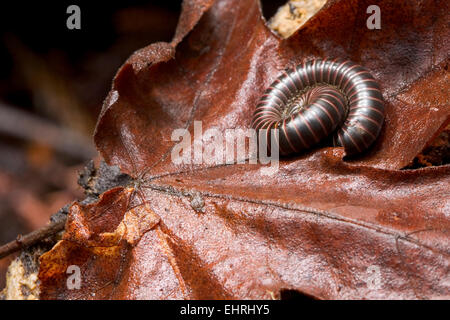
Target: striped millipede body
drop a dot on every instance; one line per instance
(320, 98)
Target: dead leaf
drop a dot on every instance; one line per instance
(321, 225)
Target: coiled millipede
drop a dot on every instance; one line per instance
(319, 98)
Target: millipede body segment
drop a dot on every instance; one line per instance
(320, 98)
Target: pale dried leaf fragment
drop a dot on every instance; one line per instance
(290, 17)
(19, 284)
(136, 223)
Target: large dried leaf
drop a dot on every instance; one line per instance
(322, 225)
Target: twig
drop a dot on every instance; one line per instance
(31, 238)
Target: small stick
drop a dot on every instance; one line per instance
(31, 238)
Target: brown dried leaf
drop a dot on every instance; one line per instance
(321, 225)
